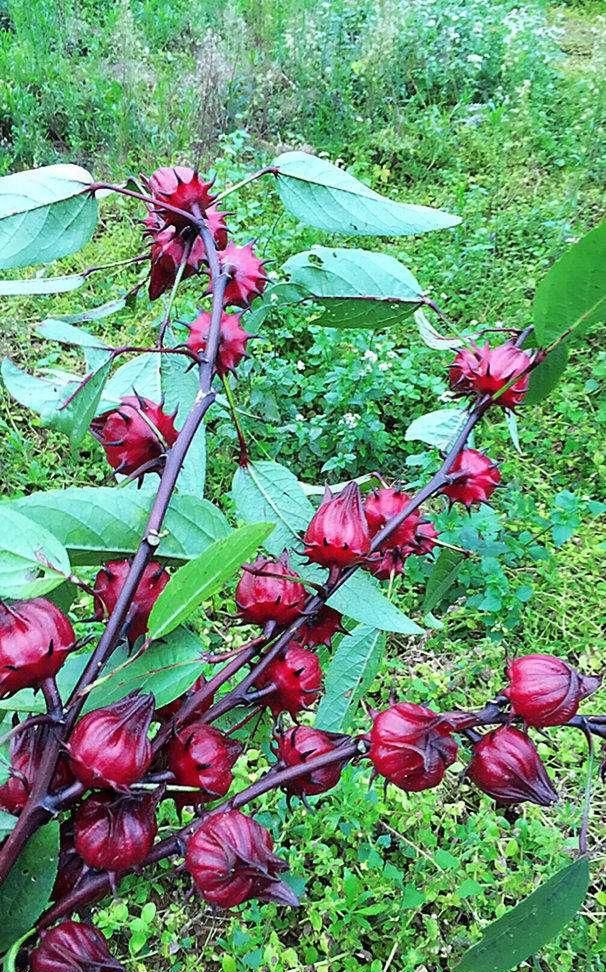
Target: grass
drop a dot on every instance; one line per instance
(391, 881)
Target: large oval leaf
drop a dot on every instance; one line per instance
(437, 428)
(26, 891)
(270, 492)
(45, 214)
(350, 672)
(31, 286)
(322, 195)
(533, 922)
(32, 560)
(358, 288)
(360, 598)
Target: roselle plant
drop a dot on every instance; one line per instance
(101, 733)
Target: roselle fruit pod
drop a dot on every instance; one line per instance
(381, 506)
(182, 187)
(321, 629)
(266, 592)
(300, 744)
(167, 252)
(411, 746)
(485, 370)
(388, 563)
(115, 833)
(297, 679)
(26, 753)
(202, 757)
(338, 534)
(230, 857)
(171, 708)
(136, 434)
(232, 341)
(109, 583)
(507, 766)
(246, 273)
(478, 480)
(546, 691)
(72, 946)
(109, 747)
(35, 639)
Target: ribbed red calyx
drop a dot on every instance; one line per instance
(35, 639)
(485, 370)
(115, 833)
(168, 249)
(507, 766)
(297, 679)
(266, 592)
(171, 708)
(424, 539)
(299, 745)
(230, 857)
(183, 188)
(411, 746)
(72, 946)
(478, 479)
(109, 747)
(246, 273)
(26, 753)
(232, 341)
(321, 629)
(136, 433)
(389, 563)
(546, 691)
(338, 533)
(203, 757)
(381, 506)
(110, 581)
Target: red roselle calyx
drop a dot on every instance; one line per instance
(138, 433)
(72, 947)
(485, 370)
(171, 708)
(247, 276)
(411, 746)
(183, 188)
(26, 754)
(110, 581)
(321, 629)
(507, 766)
(389, 563)
(203, 757)
(232, 341)
(297, 679)
(35, 639)
(338, 533)
(230, 857)
(298, 745)
(424, 539)
(546, 691)
(381, 506)
(115, 833)
(167, 252)
(266, 591)
(109, 747)
(477, 478)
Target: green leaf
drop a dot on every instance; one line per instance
(57, 329)
(26, 891)
(533, 922)
(274, 297)
(41, 285)
(32, 560)
(511, 421)
(350, 672)
(432, 338)
(358, 288)
(204, 577)
(437, 428)
(7, 823)
(322, 195)
(267, 491)
(360, 598)
(443, 575)
(100, 523)
(45, 214)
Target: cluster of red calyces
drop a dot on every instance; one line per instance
(486, 371)
(135, 436)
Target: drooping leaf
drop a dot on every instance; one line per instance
(57, 329)
(322, 195)
(431, 337)
(348, 676)
(32, 560)
(511, 421)
(437, 428)
(204, 577)
(26, 891)
(358, 288)
(41, 285)
(443, 575)
(270, 492)
(100, 523)
(361, 598)
(45, 214)
(533, 922)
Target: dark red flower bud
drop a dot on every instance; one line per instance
(217, 225)
(381, 506)
(297, 679)
(299, 745)
(390, 562)
(265, 591)
(167, 252)
(171, 708)
(424, 539)
(203, 757)
(72, 947)
(338, 533)
(484, 371)
(507, 766)
(26, 753)
(136, 433)
(35, 639)
(115, 833)
(321, 629)
(110, 581)
(479, 477)
(232, 342)
(247, 276)
(546, 691)
(411, 746)
(109, 747)
(230, 857)
(182, 187)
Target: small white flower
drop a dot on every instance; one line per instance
(371, 356)
(350, 419)
(299, 417)
(300, 366)
(474, 58)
